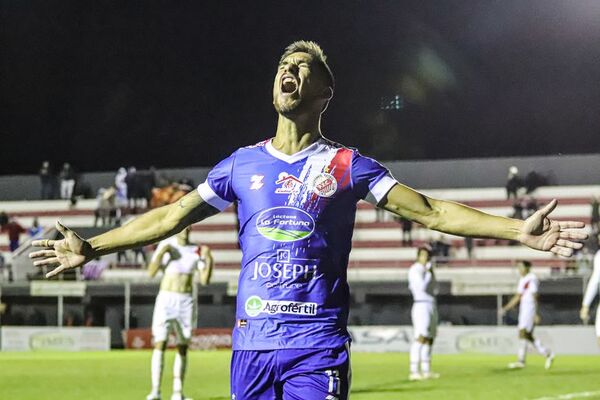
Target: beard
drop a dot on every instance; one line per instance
(287, 106)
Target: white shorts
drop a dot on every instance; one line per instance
(424, 319)
(598, 321)
(173, 311)
(527, 319)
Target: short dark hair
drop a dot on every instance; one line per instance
(526, 264)
(312, 48)
(424, 247)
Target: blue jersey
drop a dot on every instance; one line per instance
(296, 216)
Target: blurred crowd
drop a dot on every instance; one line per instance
(130, 193)
(134, 192)
(65, 183)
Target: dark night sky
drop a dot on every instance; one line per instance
(106, 84)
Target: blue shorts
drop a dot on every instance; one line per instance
(291, 374)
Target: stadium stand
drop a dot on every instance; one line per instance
(377, 252)
(471, 289)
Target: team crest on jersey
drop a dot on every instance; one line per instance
(324, 185)
(257, 182)
(289, 184)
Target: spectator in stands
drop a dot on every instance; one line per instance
(440, 249)
(595, 215)
(83, 188)
(14, 230)
(121, 186)
(147, 181)
(140, 251)
(46, 181)
(524, 207)
(534, 180)
(469, 247)
(35, 230)
(105, 206)
(407, 226)
(513, 182)
(132, 189)
(168, 194)
(67, 181)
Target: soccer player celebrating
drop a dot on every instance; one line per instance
(590, 293)
(174, 308)
(527, 298)
(297, 196)
(423, 286)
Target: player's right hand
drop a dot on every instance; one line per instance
(584, 314)
(68, 253)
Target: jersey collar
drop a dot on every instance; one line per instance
(290, 159)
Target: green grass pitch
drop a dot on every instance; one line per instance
(125, 375)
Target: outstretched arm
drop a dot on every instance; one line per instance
(153, 226)
(538, 231)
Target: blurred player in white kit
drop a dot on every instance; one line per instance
(527, 298)
(174, 307)
(423, 286)
(590, 293)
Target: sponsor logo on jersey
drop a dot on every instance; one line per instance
(324, 185)
(255, 306)
(257, 182)
(285, 224)
(286, 272)
(295, 273)
(289, 184)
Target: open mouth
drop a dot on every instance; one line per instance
(288, 84)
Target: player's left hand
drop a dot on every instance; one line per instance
(542, 233)
(68, 253)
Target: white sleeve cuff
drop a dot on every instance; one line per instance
(209, 196)
(380, 189)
